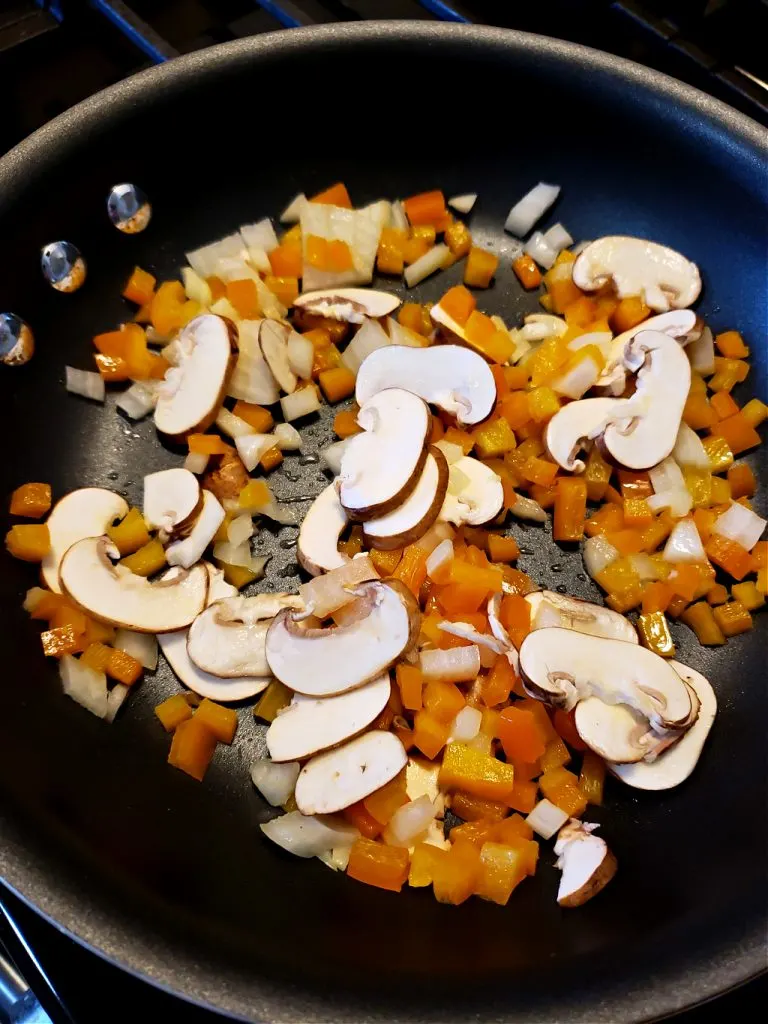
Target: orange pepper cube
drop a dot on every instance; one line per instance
(443, 700)
(410, 681)
(480, 268)
(334, 195)
(220, 721)
(174, 710)
(28, 543)
(520, 735)
(140, 287)
(123, 668)
(526, 271)
(425, 208)
(457, 874)
(425, 861)
(31, 500)
(60, 641)
(474, 772)
(501, 869)
(192, 748)
(458, 303)
(385, 867)
(383, 802)
(429, 734)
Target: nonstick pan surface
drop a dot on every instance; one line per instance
(172, 879)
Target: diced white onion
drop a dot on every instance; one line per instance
(409, 822)
(543, 325)
(259, 260)
(688, 450)
(287, 438)
(426, 265)
(677, 499)
(196, 287)
(203, 260)
(684, 543)
(292, 212)
(330, 457)
(234, 268)
(452, 452)
(598, 554)
(115, 700)
(279, 513)
(223, 307)
(137, 401)
(545, 819)
(309, 836)
(301, 355)
(580, 247)
(398, 217)
(440, 557)
(667, 476)
(85, 383)
(260, 235)
(701, 353)
(275, 782)
(251, 447)
(455, 665)
(557, 238)
(141, 646)
(232, 425)
(530, 208)
(240, 529)
(539, 249)
(400, 335)
(196, 462)
(336, 860)
(741, 525)
(302, 402)
(527, 508)
(233, 554)
(436, 534)
(368, 339)
(32, 598)
(645, 567)
(466, 725)
(464, 202)
(578, 380)
(84, 685)
(457, 480)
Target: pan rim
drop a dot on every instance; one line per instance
(711, 971)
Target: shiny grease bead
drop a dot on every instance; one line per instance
(17, 343)
(128, 208)
(63, 267)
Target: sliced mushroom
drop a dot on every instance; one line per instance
(309, 724)
(480, 497)
(577, 423)
(453, 378)
(228, 639)
(192, 392)
(171, 500)
(674, 765)
(413, 518)
(318, 545)
(381, 466)
(562, 667)
(677, 323)
(273, 341)
(113, 595)
(227, 478)
(549, 608)
(586, 863)
(324, 662)
(338, 778)
(616, 732)
(190, 550)
(663, 278)
(350, 304)
(83, 513)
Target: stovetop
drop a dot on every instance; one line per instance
(54, 53)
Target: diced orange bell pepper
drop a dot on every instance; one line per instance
(285, 288)
(424, 861)
(526, 271)
(480, 268)
(456, 875)
(477, 832)
(515, 409)
(539, 471)
(474, 808)
(458, 238)
(562, 292)
(515, 616)
(474, 772)
(608, 519)
(747, 594)
(45, 604)
(286, 260)
(698, 413)
(410, 681)
(429, 734)
(124, 668)
(148, 560)
(701, 620)
(112, 368)
(488, 576)
(570, 509)
(220, 721)
(383, 803)
(503, 549)
(60, 641)
(555, 755)
(502, 868)
(415, 317)
(166, 310)
(655, 635)
(334, 195)
(140, 287)
(724, 404)
(513, 829)
(208, 444)
(271, 459)
(443, 700)
(259, 418)
(412, 569)
(28, 543)
(494, 438)
(172, 711)
(111, 343)
(496, 687)
(192, 748)
(728, 373)
(385, 867)
(566, 729)
(425, 208)
(738, 432)
(386, 561)
(67, 615)
(755, 412)
(729, 555)
(520, 735)
(337, 383)
(561, 788)
(597, 475)
(543, 404)
(31, 500)
(731, 344)
(629, 313)
(626, 542)
(742, 481)
(517, 377)
(130, 533)
(244, 297)
(733, 618)
(637, 513)
(656, 597)
(365, 823)
(718, 594)
(523, 795)
(389, 256)
(592, 777)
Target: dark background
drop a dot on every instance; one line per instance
(54, 53)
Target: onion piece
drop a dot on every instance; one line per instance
(466, 725)
(275, 782)
(301, 355)
(545, 325)
(251, 447)
(677, 499)
(84, 685)
(196, 287)
(203, 260)
(240, 529)
(233, 554)
(287, 438)
(141, 646)
(440, 557)
(292, 212)
(336, 860)
(645, 567)
(196, 462)
(85, 383)
(409, 822)
(452, 452)
(464, 202)
(557, 238)
(115, 700)
(530, 208)
(368, 339)
(598, 553)
(232, 425)
(330, 457)
(306, 835)
(701, 353)
(545, 819)
(259, 260)
(684, 544)
(398, 217)
(437, 533)
(137, 401)
(538, 249)
(427, 264)
(688, 450)
(302, 402)
(527, 508)
(260, 235)
(740, 524)
(455, 665)
(667, 476)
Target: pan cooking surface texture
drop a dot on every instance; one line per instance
(172, 878)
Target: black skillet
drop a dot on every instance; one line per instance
(172, 879)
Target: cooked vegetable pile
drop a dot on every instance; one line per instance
(417, 670)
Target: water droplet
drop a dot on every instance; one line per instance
(128, 208)
(113, 475)
(581, 576)
(525, 551)
(63, 267)
(309, 460)
(123, 492)
(556, 568)
(17, 343)
(293, 477)
(292, 569)
(561, 589)
(321, 478)
(288, 543)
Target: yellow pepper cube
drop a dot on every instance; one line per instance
(480, 268)
(147, 560)
(477, 773)
(494, 438)
(748, 594)
(543, 403)
(458, 239)
(655, 635)
(699, 485)
(718, 452)
(755, 412)
(733, 618)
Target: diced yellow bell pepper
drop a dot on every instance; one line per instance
(561, 788)
(592, 777)
(718, 452)
(748, 594)
(274, 699)
(655, 635)
(130, 533)
(148, 560)
(755, 412)
(733, 618)
(702, 621)
(494, 438)
(699, 485)
(477, 773)
(543, 403)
